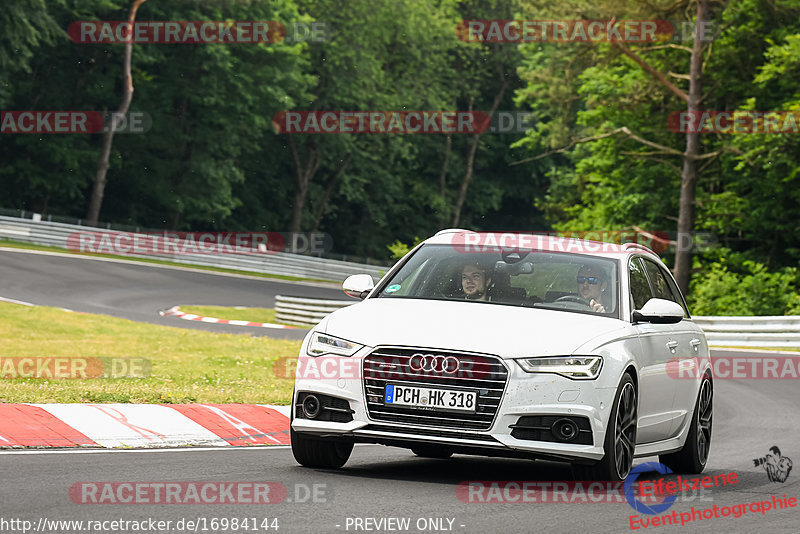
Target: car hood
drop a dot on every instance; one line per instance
(507, 331)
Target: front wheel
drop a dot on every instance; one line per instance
(620, 442)
(316, 452)
(692, 458)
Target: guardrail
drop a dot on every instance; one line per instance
(773, 331)
(55, 234)
(305, 311)
(768, 331)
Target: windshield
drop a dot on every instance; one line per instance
(557, 281)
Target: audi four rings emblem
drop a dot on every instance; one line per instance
(433, 363)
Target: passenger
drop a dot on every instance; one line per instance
(592, 284)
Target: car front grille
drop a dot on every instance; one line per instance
(484, 374)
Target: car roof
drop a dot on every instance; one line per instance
(469, 241)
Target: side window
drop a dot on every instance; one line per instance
(663, 286)
(660, 287)
(676, 294)
(640, 289)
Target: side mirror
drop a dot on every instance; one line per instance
(659, 311)
(358, 285)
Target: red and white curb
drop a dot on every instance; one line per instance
(176, 312)
(142, 425)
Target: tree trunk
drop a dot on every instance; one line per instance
(320, 212)
(443, 180)
(473, 149)
(683, 250)
(462, 192)
(305, 173)
(93, 213)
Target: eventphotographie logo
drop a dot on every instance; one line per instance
(777, 466)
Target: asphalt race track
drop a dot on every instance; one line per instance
(138, 291)
(380, 482)
(377, 483)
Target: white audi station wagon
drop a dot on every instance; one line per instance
(511, 345)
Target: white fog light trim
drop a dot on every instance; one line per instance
(320, 344)
(575, 367)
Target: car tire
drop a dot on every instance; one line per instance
(620, 442)
(692, 458)
(316, 452)
(442, 453)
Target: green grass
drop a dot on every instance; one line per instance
(239, 313)
(7, 243)
(186, 365)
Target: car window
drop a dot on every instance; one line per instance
(640, 289)
(657, 281)
(402, 285)
(663, 285)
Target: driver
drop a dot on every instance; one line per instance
(592, 283)
(475, 281)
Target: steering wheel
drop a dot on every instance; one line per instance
(572, 298)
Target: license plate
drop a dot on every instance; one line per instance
(431, 398)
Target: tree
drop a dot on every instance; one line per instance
(485, 87)
(691, 154)
(381, 56)
(593, 107)
(27, 25)
(96, 199)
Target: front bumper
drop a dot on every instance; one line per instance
(526, 394)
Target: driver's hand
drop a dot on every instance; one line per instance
(596, 306)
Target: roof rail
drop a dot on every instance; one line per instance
(451, 231)
(639, 246)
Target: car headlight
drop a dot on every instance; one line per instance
(324, 344)
(576, 367)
